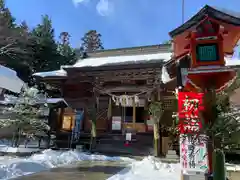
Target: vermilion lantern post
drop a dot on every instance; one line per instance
(204, 41)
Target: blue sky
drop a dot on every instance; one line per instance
(122, 23)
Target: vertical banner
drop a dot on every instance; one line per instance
(78, 120)
(193, 149)
(189, 106)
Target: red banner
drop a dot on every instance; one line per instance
(189, 106)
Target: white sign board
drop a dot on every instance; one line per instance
(116, 123)
(128, 136)
(193, 153)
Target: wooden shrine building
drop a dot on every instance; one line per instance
(118, 84)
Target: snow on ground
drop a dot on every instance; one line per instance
(149, 169)
(11, 167)
(32, 146)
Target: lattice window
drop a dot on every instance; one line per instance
(168, 103)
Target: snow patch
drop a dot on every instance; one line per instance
(12, 167)
(151, 168)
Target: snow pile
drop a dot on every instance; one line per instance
(149, 169)
(31, 147)
(13, 167)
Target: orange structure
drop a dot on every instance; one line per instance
(207, 38)
(200, 46)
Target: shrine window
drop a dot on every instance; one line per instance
(207, 52)
(140, 112)
(128, 114)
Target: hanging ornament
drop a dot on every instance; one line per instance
(117, 101)
(136, 100)
(114, 98)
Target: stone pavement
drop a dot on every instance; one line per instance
(82, 171)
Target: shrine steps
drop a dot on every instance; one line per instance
(140, 144)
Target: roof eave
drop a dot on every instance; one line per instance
(206, 10)
(115, 67)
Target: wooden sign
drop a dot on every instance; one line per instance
(116, 123)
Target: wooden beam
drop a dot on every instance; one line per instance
(134, 113)
(127, 89)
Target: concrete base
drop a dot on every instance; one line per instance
(171, 154)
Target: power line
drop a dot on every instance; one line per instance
(183, 10)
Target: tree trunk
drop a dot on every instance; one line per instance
(93, 131)
(48, 139)
(17, 138)
(156, 138)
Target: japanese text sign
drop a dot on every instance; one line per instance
(189, 106)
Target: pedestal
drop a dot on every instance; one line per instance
(194, 175)
(172, 155)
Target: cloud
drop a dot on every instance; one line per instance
(103, 7)
(77, 2)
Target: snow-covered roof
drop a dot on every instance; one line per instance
(117, 60)
(232, 62)
(59, 73)
(108, 61)
(120, 60)
(56, 100)
(9, 80)
(10, 99)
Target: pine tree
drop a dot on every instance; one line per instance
(25, 115)
(92, 41)
(45, 48)
(68, 55)
(12, 42)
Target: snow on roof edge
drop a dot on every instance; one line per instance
(115, 60)
(100, 61)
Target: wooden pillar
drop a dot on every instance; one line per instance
(94, 119)
(109, 114)
(210, 115)
(60, 118)
(134, 113)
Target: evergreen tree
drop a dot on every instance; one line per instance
(12, 42)
(92, 41)
(25, 115)
(68, 55)
(15, 43)
(45, 48)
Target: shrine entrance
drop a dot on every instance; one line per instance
(129, 116)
